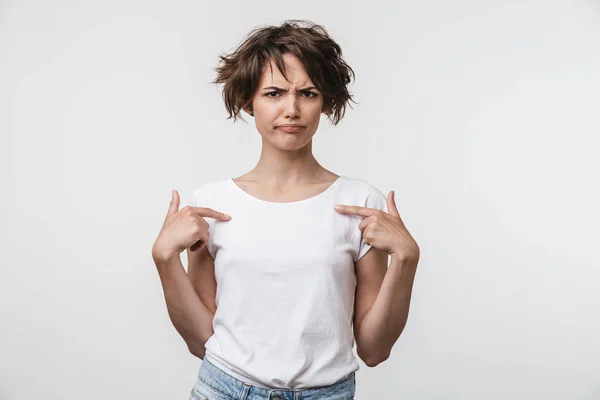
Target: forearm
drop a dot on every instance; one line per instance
(191, 318)
(382, 325)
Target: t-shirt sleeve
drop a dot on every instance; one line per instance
(376, 199)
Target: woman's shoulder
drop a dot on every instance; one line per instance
(364, 193)
(204, 191)
(361, 186)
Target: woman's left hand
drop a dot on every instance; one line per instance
(385, 231)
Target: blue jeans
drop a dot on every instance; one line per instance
(215, 384)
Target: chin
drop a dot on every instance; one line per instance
(291, 143)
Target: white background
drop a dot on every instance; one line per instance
(482, 115)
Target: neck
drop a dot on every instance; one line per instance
(282, 167)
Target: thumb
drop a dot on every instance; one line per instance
(174, 205)
(391, 204)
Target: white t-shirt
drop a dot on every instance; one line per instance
(285, 283)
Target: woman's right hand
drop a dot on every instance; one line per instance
(183, 229)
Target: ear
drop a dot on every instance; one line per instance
(248, 109)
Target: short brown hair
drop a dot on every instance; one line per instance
(321, 56)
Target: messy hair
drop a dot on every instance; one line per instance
(321, 56)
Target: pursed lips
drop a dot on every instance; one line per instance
(291, 128)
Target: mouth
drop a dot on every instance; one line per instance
(291, 128)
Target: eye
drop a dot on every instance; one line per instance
(306, 94)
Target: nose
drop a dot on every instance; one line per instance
(291, 107)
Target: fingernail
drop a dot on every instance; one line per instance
(338, 207)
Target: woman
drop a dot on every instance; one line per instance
(282, 285)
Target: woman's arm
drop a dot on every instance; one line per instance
(382, 303)
(191, 318)
(201, 271)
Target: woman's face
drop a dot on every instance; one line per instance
(278, 102)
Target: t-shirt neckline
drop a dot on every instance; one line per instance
(278, 203)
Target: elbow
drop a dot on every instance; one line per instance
(197, 346)
(198, 351)
(373, 360)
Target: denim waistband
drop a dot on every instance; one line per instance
(226, 384)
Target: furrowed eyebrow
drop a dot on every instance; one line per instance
(285, 91)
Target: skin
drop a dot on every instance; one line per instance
(183, 229)
(287, 169)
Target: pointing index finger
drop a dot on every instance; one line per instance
(356, 210)
(209, 212)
